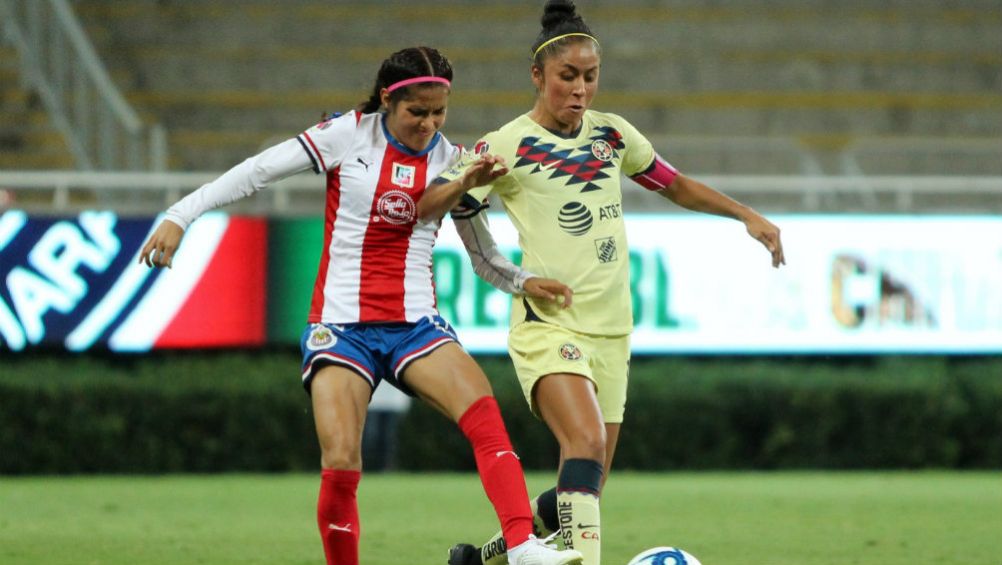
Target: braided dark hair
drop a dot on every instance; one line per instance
(560, 17)
(402, 65)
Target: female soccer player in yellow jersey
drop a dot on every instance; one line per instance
(562, 192)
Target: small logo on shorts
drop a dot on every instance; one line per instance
(321, 337)
(570, 352)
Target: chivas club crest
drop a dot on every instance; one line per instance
(321, 337)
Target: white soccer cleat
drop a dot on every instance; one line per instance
(535, 551)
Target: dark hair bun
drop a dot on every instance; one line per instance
(557, 12)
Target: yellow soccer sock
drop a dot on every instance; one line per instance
(495, 551)
(580, 524)
(578, 508)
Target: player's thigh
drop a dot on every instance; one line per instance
(340, 399)
(448, 379)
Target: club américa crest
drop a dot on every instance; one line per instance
(602, 151)
(569, 352)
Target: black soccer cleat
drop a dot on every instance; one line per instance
(464, 554)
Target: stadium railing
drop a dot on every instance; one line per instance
(58, 61)
(58, 192)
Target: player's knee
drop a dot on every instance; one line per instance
(341, 456)
(585, 443)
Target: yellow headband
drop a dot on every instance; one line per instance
(558, 38)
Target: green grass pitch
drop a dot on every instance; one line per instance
(809, 518)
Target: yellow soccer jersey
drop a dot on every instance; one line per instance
(564, 197)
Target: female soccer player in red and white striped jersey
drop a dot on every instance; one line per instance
(373, 315)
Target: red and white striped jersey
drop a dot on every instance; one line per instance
(376, 263)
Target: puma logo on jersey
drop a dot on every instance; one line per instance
(364, 164)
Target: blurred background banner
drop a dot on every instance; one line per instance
(75, 283)
(854, 284)
(860, 284)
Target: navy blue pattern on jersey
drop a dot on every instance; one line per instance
(580, 165)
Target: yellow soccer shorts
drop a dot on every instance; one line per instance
(538, 349)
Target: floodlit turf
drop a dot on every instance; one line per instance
(722, 518)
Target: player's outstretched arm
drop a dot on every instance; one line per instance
(253, 174)
(441, 197)
(160, 248)
(694, 195)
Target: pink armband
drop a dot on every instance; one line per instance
(658, 176)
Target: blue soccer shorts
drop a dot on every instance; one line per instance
(375, 351)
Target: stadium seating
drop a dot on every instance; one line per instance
(27, 139)
(821, 79)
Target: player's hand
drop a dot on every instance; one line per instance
(483, 171)
(548, 289)
(159, 250)
(768, 235)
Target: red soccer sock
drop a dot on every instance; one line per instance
(337, 516)
(500, 468)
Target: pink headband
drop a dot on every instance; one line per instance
(415, 80)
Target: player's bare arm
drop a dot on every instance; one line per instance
(440, 198)
(694, 195)
(160, 248)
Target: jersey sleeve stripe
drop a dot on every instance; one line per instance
(468, 207)
(316, 166)
(316, 152)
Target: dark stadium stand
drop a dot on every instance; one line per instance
(227, 78)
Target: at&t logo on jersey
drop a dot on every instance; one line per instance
(575, 218)
(403, 175)
(397, 207)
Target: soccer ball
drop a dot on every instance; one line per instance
(664, 556)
